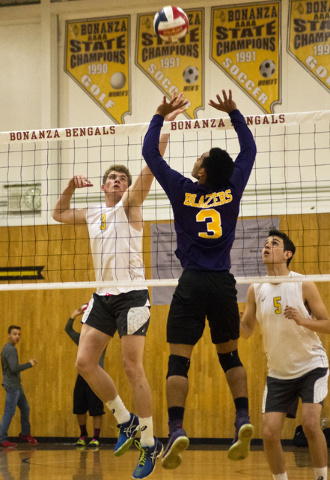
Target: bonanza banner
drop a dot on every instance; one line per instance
(174, 67)
(245, 44)
(97, 58)
(309, 43)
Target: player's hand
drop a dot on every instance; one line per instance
(167, 108)
(33, 362)
(293, 314)
(172, 116)
(78, 311)
(79, 181)
(226, 105)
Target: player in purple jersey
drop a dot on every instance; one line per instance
(205, 217)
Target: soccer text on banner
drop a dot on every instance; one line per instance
(174, 67)
(245, 44)
(309, 43)
(97, 58)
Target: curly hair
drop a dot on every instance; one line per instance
(219, 166)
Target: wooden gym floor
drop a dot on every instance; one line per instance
(66, 462)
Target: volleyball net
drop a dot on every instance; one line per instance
(289, 189)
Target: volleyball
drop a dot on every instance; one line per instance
(171, 24)
(84, 307)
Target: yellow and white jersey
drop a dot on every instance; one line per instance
(291, 350)
(116, 248)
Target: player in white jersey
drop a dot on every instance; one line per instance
(290, 316)
(115, 232)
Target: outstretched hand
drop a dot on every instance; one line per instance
(227, 105)
(170, 110)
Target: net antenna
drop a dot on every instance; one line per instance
(288, 188)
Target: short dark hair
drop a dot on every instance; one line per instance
(118, 168)
(13, 327)
(219, 166)
(287, 242)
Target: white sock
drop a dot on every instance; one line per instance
(280, 476)
(119, 410)
(321, 473)
(147, 432)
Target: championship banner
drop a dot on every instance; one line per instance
(97, 57)
(245, 44)
(309, 43)
(174, 67)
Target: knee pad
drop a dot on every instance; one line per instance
(229, 360)
(178, 365)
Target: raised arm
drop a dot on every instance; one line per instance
(75, 336)
(314, 304)
(249, 319)
(152, 152)
(138, 192)
(248, 149)
(62, 211)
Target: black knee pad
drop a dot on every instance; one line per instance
(178, 365)
(229, 360)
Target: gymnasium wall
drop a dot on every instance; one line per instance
(37, 93)
(42, 316)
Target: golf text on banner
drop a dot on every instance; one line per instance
(174, 67)
(98, 58)
(245, 45)
(309, 24)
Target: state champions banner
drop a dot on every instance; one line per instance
(97, 57)
(174, 67)
(245, 44)
(309, 43)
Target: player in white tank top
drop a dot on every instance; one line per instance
(290, 316)
(115, 231)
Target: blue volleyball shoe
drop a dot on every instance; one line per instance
(147, 461)
(126, 435)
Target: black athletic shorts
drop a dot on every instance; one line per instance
(129, 313)
(283, 395)
(201, 294)
(85, 400)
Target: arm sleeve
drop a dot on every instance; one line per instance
(168, 178)
(245, 159)
(72, 333)
(14, 366)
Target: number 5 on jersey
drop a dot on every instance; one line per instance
(277, 305)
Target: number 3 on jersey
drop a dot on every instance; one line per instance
(277, 305)
(214, 229)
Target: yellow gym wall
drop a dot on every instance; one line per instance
(43, 314)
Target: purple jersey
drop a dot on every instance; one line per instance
(204, 217)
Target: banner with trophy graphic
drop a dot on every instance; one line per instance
(309, 42)
(245, 44)
(174, 67)
(97, 57)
